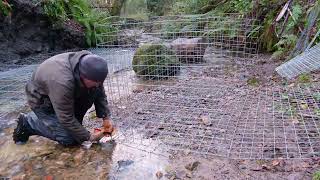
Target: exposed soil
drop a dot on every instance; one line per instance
(28, 31)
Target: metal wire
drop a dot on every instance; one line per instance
(190, 99)
(306, 62)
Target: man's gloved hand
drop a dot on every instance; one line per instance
(107, 126)
(96, 135)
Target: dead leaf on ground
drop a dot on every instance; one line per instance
(295, 121)
(205, 120)
(275, 162)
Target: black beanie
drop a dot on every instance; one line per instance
(93, 67)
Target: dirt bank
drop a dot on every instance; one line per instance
(28, 31)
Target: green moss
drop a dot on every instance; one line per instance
(253, 81)
(155, 62)
(304, 78)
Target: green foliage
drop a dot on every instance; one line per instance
(171, 29)
(156, 7)
(253, 81)
(265, 10)
(56, 10)
(286, 43)
(188, 6)
(242, 6)
(155, 62)
(79, 10)
(316, 96)
(5, 8)
(316, 176)
(135, 9)
(304, 78)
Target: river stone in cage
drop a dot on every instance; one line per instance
(155, 62)
(189, 50)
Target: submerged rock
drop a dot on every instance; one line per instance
(192, 166)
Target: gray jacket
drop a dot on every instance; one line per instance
(57, 79)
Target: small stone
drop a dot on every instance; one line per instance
(22, 176)
(192, 166)
(78, 157)
(38, 166)
(61, 163)
(180, 174)
(122, 164)
(205, 120)
(64, 156)
(15, 170)
(159, 174)
(189, 175)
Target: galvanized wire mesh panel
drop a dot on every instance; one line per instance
(12, 96)
(306, 62)
(175, 88)
(222, 120)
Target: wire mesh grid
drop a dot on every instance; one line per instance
(174, 87)
(179, 91)
(12, 83)
(306, 62)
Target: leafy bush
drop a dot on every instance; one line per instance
(156, 7)
(5, 8)
(286, 43)
(155, 62)
(316, 176)
(80, 10)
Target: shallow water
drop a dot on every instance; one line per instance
(40, 157)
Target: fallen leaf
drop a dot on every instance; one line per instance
(304, 105)
(159, 174)
(291, 85)
(275, 162)
(205, 120)
(305, 165)
(295, 121)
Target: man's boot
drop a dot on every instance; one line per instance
(21, 132)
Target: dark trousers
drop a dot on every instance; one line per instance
(44, 122)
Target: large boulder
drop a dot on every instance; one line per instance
(189, 50)
(155, 62)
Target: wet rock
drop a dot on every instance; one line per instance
(190, 50)
(122, 164)
(180, 174)
(192, 166)
(189, 175)
(78, 157)
(60, 163)
(64, 156)
(38, 166)
(15, 170)
(159, 174)
(170, 173)
(22, 176)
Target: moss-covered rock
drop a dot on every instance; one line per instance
(155, 62)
